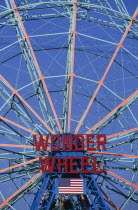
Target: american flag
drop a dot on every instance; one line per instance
(71, 186)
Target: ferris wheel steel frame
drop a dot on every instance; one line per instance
(95, 197)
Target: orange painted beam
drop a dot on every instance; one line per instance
(20, 146)
(63, 200)
(72, 64)
(122, 179)
(115, 154)
(18, 165)
(52, 106)
(84, 203)
(112, 112)
(124, 132)
(17, 125)
(16, 145)
(109, 200)
(116, 134)
(101, 82)
(32, 110)
(48, 148)
(6, 202)
(41, 77)
(15, 92)
(21, 164)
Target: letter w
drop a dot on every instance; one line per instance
(41, 141)
(46, 165)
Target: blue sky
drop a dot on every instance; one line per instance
(98, 34)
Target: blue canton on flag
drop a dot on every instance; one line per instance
(70, 186)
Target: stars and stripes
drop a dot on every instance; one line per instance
(71, 186)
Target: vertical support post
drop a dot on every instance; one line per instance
(62, 207)
(67, 108)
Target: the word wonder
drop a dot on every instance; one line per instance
(70, 142)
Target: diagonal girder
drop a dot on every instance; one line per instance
(6, 202)
(101, 82)
(21, 30)
(114, 113)
(45, 196)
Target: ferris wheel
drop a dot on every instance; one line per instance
(67, 68)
